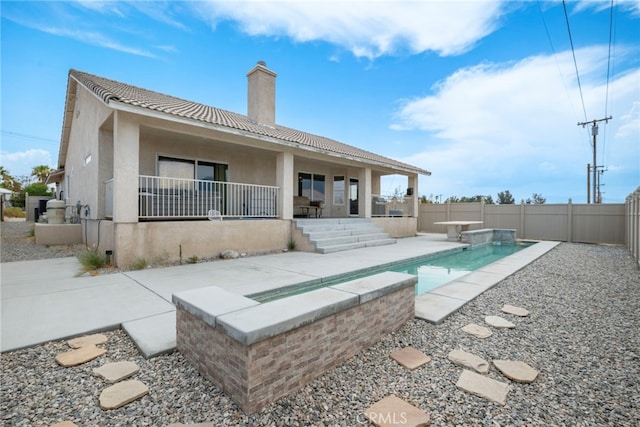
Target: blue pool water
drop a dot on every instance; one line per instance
(437, 271)
(432, 271)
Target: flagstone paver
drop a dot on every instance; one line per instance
(393, 411)
(410, 357)
(469, 360)
(79, 356)
(499, 322)
(517, 371)
(86, 340)
(118, 395)
(477, 330)
(65, 424)
(483, 386)
(518, 311)
(116, 371)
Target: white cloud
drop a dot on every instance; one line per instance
(367, 29)
(20, 163)
(515, 124)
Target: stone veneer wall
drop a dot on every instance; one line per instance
(489, 235)
(260, 373)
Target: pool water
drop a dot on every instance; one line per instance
(432, 271)
(437, 271)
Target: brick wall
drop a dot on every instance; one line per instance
(258, 374)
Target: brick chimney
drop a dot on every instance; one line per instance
(261, 100)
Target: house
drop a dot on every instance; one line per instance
(144, 172)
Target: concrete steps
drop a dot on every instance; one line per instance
(342, 234)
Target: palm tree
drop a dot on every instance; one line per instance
(41, 173)
(7, 179)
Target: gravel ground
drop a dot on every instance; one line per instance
(582, 335)
(19, 245)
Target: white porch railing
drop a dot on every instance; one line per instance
(161, 197)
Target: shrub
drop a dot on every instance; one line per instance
(91, 261)
(291, 245)
(193, 259)
(139, 264)
(14, 212)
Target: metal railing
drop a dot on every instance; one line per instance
(161, 197)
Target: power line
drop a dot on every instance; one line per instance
(30, 137)
(575, 63)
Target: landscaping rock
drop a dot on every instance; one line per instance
(469, 360)
(79, 356)
(483, 386)
(499, 322)
(410, 357)
(516, 370)
(191, 425)
(477, 330)
(118, 395)
(229, 254)
(95, 339)
(117, 371)
(393, 411)
(518, 311)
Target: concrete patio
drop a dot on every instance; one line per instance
(44, 300)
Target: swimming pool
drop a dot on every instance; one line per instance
(432, 271)
(443, 269)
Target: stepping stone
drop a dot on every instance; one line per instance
(410, 357)
(482, 386)
(65, 424)
(477, 330)
(499, 322)
(118, 395)
(95, 339)
(393, 411)
(117, 371)
(517, 371)
(518, 311)
(79, 356)
(468, 360)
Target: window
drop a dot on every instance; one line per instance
(191, 169)
(311, 186)
(170, 167)
(338, 190)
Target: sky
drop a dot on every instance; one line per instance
(486, 95)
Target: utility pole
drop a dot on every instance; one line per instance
(594, 132)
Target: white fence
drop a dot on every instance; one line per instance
(588, 223)
(632, 213)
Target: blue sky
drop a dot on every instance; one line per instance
(483, 94)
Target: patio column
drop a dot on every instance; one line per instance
(364, 179)
(285, 180)
(126, 149)
(412, 182)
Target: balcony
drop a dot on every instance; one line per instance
(161, 198)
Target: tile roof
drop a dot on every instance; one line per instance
(109, 90)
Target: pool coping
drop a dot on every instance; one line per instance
(437, 304)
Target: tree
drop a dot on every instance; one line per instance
(41, 173)
(505, 198)
(37, 189)
(536, 199)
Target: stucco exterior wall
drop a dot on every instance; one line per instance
(82, 182)
(155, 241)
(398, 227)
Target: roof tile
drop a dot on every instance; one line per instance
(109, 90)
